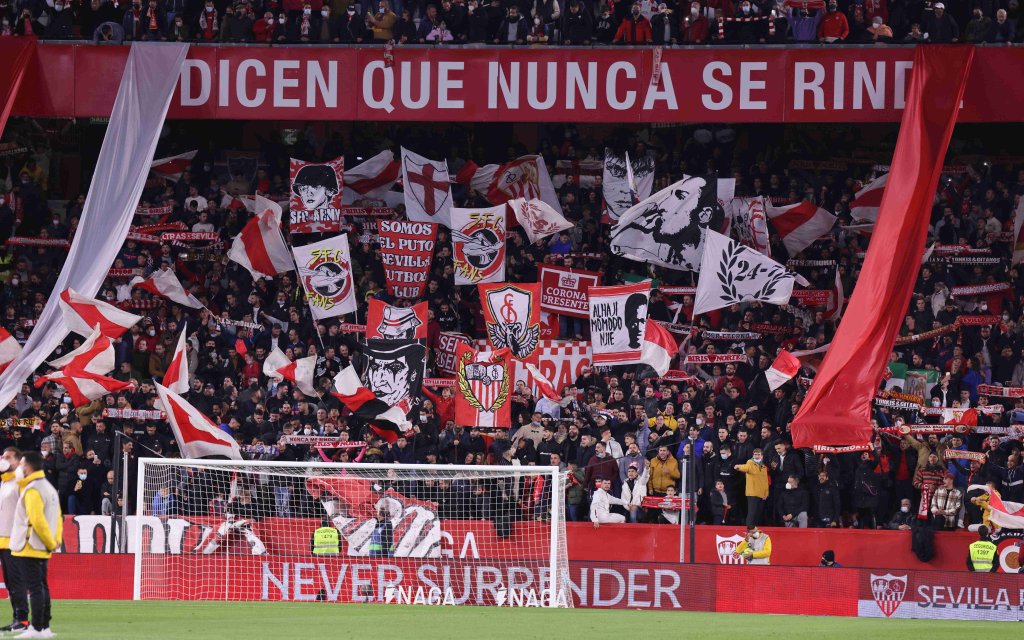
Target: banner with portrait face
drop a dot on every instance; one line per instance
(512, 316)
(325, 270)
(396, 323)
(621, 193)
(394, 371)
(750, 223)
(618, 318)
(314, 205)
(478, 244)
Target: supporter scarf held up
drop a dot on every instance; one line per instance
(837, 409)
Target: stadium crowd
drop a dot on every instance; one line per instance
(614, 426)
(512, 22)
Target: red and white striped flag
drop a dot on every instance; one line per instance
(164, 283)
(658, 347)
(526, 177)
(1006, 514)
(260, 248)
(172, 167)
(278, 367)
(84, 387)
(866, 202)
(96, 355)
(374, 177)
(82, 314)
(543, 384)
(800, 224)
(782, 370)
(196, 434)
(176, 376)
(835, 300)
(10, 350)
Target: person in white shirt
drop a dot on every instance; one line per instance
(634, 489)
(601, 502)
(612, 446)
(203, 224)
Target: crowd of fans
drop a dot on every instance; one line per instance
(614, 427)
(523, 22)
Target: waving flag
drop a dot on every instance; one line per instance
(82, 314)
(164, 283)
(800, 224)
(750, 223)
(867, 201)
(260, 248)
(1006, 514)
(782, 370)
(537, 218)
(387, 421)
(659, 348)
(196, 434)
(171, 168)
(10, 349)
(543, 384)
(373, 178)
(96, 355)
(625, 181)
(428, 189)
(278, 367)
(731, 273)
(176, 376)
(1017, 245)
(483, 387)
(84, 387)
(526, 177)
(325, 270)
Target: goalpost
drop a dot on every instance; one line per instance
(411, 534)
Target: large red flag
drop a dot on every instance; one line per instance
(837, 409)
(16, 54)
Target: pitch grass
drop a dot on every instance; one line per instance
(99, 620)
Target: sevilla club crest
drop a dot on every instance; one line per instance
(478, 237)
(512, 321)
(888, 591)
(483, 385)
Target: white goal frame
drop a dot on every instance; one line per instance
(559, 586)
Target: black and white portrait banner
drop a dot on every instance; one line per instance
(731, 273)
(626, 180)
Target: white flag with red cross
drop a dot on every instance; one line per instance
(428, 190)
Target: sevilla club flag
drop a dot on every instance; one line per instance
(483, 387)
(800, 224)
(867, 201)
(731, 273)
(315, 188)
(84, 387)
(196, 434)
(537, 218)
(512, 315)
(543, 384)
(10, 350)
(260, 248)
(164, 283)
(371, 179)
(782, 370)
(82, 314)
(176, 376)
(1004, 513)
(478, 244)
(394, 371)
(668, 228)
(96, 356)
(278, 367)
(396, 323)
(526, 177)
(325, 270)
(659, 348)
(428, 189)
(750, 223)
(626, 181)
(388, 422)
(171, 168)
(618, 322)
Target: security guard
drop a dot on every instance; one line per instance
(36, 533)
(9, 493)
(981, 555)
(326, 541)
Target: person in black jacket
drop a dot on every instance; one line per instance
(351, 27)
(476, 23)
(783, 464)
(866, 484)
(60, 19)
(664, 26)
(577, 29)
(792, 505)
(606, 26)
(827, 509)
(405, 28)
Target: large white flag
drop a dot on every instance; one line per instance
(625, 181)
(537, 218)
(668, 228)
(428, 191)
(325, 270)
(478, 244)
(196, 434)
(731, 273)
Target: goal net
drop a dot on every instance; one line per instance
(416, 534)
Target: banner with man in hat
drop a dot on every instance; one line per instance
(396, 323)
(483, 387)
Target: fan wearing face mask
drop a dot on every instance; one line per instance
(834, 27)
(756, 547)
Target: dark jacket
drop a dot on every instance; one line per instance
(792, 502)
(659, 21)
(826, 502)
(577, 28)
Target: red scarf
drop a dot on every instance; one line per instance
(152, 20)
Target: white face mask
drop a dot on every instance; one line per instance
(45, 454)
(19, 473)
(325, 12)
(307, 431)
(757, 460)
(5, 465)
(789, 485)
(83, 476)
(306, 12)
(905, 509)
